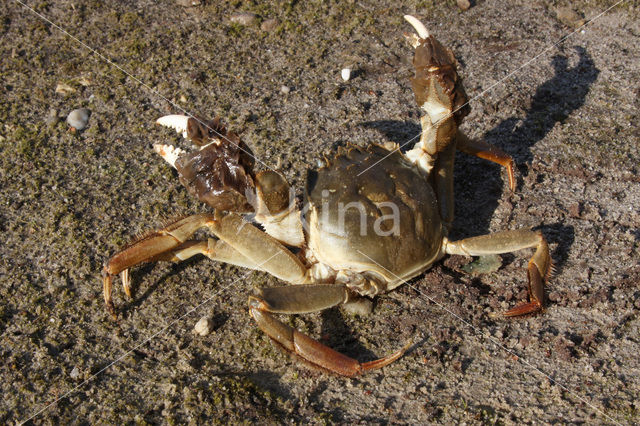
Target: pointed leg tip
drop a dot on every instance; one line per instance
(511, 175)
(112, 310)
(126, 282)
(533, 307)
(383, 362)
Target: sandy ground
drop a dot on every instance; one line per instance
(566, 111)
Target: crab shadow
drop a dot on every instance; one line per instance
(552, 103)
(478, 184)
(341, 337)
(139, 281)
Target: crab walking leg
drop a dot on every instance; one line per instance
(148, 248)
(507, 242)
(486, 151)
(214, 249)
(303, 299)
(254, 249)
(260, 248)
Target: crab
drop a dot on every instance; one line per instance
(372, 217)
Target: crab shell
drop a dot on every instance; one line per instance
(350, 216)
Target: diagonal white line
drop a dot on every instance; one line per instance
(490, 337)
(512, 73)
(137, 80)
(144, 342)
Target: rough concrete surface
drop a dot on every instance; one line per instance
(565, 109)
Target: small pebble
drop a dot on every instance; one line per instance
(204, 326)
(78, 118)
(64, 89)
(463, 4)
(75, 373)
(346, 74)
(188, 3)
(243, 18)
(569, 17)
(52, 117)
(269, 24)
(285, 90)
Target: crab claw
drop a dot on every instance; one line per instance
(177, 122)
(169, 152)
(438, 91)
(220, 173)
(419, 26)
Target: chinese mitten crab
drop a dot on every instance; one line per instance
(372, 217)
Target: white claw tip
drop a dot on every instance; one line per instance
(419, 26)
(176, 122)
(168, 152)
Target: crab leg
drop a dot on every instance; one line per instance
(486, 151)
(443, 184)
(240, 243)
(214, 249)
(507, 242)
(303, 299)
(147, 248)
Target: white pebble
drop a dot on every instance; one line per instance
(78, 118)
(346, 74)
(285, 90)
(204, 326)
(75, 373)
(243, 18)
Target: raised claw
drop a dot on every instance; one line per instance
(419, 26)
(176, 122)
(220, 173)
(438, 91)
